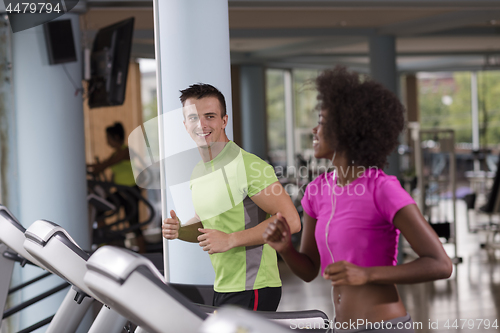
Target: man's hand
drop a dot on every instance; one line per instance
(278, 235)
(170, 227)
(345, 273)
(214, 241)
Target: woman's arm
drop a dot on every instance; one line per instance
(118, 156)
(306, 263)
(433, 262)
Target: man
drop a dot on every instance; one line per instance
(235, 196)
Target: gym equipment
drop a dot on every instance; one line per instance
(490, 208)
(12, 234)
(51, 245)
(103, 199)
(196, 293)
(434, 151)
(233, 320)
(6, 269)
(203, 295)
(70, 313)
(115, 275)
(53, 248)
(98, 206)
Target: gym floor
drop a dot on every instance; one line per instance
(471, 296)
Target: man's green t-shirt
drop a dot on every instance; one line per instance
(221, 192)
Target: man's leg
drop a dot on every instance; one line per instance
(242, 299)
(266, 299)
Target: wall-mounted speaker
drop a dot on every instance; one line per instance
(60, 41)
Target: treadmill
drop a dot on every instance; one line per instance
(52, 246)
(70, 313)
(135, 288)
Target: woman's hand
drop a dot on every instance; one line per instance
(278, 235)
(345, 273)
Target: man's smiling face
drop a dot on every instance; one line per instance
(203, 122)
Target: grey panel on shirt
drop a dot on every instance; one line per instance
(253, 216)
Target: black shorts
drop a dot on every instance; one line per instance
(265, 299)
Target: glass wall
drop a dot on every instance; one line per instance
(445, 102)
(488, 83)
(276, 129)
(306, 115)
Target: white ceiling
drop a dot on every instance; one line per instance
(430, 34)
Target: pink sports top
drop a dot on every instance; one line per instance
(361, 230)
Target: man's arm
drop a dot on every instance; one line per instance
(272, 199)
(171, 228)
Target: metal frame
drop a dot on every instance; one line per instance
(422, 180)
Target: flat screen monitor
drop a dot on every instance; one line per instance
(109, 63)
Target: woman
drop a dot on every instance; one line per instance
(121, 167)
(353, 217)
(119, 161)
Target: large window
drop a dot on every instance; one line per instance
(303, 114)
(148, 89)
(445, 102)
(488, 83)
(276, 129)
(306, 115)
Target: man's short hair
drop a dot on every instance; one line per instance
(202, 90)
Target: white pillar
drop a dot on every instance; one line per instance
(192, 45)
(51, 148)
(8, 139)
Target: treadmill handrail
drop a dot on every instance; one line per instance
(10, 218)
(118, 263)
(41, 231)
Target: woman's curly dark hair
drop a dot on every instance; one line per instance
(363, 119)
